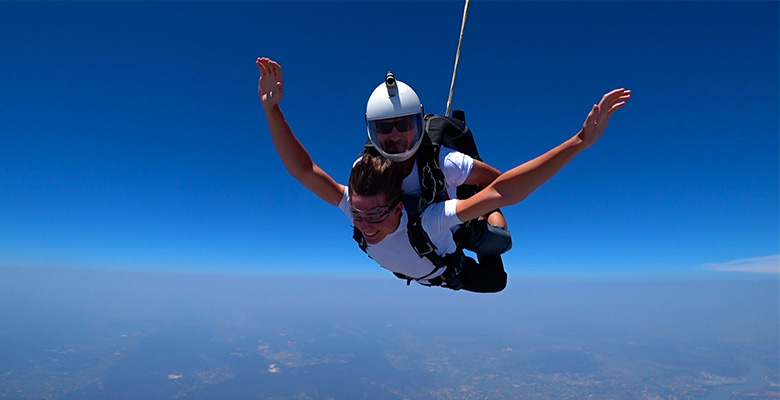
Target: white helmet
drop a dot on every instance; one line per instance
(394, 107)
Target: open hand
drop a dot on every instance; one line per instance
(599, 115)
(269, 86)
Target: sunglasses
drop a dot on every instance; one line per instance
(373, 216)
(403, 124)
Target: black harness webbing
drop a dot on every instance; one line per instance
(360, 239)
(433, 186)
(420, 241)
(424, 247)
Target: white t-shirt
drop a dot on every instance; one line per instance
(396, 254)
(455, 166)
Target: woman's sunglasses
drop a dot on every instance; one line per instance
(374, 216)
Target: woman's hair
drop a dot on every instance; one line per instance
(372, 175)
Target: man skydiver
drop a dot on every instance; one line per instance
(372, 200)
(395, 124)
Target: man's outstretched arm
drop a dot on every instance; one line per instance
(292, 153)
(482, 174)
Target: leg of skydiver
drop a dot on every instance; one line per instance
(487, 276)
(496, 218)
(489, 236)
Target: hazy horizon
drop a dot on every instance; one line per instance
(110, 334)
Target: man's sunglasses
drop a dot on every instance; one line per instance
(403, 124)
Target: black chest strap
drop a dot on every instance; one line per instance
(422, 245)
(360, 239)
(421, 242)
(433, 186)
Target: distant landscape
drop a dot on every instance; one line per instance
(140, 335)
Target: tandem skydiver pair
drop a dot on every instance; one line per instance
(419, 244)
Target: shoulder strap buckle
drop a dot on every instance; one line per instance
(421, 242)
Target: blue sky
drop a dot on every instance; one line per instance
(132, 137)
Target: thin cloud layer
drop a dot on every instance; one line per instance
(756, 265)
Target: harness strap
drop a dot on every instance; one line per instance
(432, 183)
(421, 242)
(449, 278)
(360, 239)
(424, 247)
